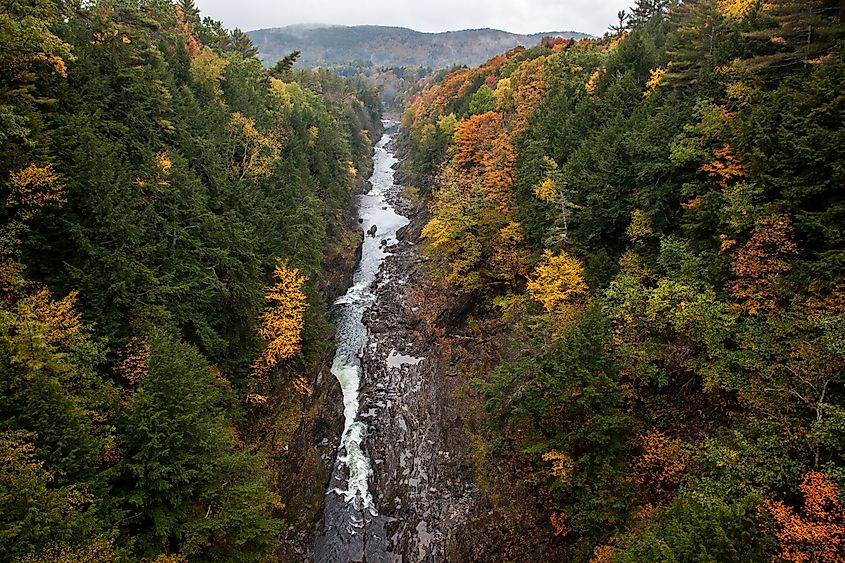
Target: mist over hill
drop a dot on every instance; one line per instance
(389, 46)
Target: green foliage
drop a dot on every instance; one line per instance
(571, 400)
(34, 512)
(40, 393)
(152, 172)
(794, 135)
(183, 482)
(700, 527)
(482, 101)
(191, 245)
(672, 330)
(692, 163)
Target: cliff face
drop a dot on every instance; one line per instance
(305, 463)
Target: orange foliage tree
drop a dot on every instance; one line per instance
(559, 522)
(134, 361)
(725, 167)
(660, 466)
(482, 149)
(530, 85)
(473, 227)
(760, 262)
(603, 554)
(817, 534)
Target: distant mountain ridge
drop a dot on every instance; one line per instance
(390, 46)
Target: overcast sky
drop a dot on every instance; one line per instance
(518, 16)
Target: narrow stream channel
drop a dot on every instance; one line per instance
(349, 506)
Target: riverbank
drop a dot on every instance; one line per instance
(414, 412)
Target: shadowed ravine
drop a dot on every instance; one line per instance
(384, 501)
(350, 513)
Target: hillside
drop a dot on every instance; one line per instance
(584, 302)
(634, 269)
(160, 192)
(389, 46)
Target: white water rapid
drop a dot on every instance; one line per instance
(352, 469)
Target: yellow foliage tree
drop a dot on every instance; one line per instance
(655, 80)
(546, 190)
(557, 280)
(448, 124)
(56, 321)
(593, 81)
(58, 317)
(451, 233)
(562, 464)
(207, 68)
(504, 95)
(640, 227)
(738, 9)
(253, 152)
(35, 188)
(283, 318)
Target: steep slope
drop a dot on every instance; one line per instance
(172, 220)
(642, 237)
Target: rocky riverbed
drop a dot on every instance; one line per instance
(417, 484)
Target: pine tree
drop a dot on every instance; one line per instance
(646, 11)
(190, 11)
(241, 43)
(795, 32)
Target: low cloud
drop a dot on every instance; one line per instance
(519, 16)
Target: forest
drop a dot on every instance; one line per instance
(169, 207)
(643, 236)
(635, 258)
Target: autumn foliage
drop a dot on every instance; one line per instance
(36, 187)
(558, 521)
(725, 168)
(254, 152)
(673, 191)
(760, 262)
(661, 464)
(143, 199)
(562, 464)
(283, 317)
(134, 361)
(557, 280)
(473, 227)
(482, 149)
(815, 534)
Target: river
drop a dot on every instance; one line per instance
(399, 491)
(349, 506)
